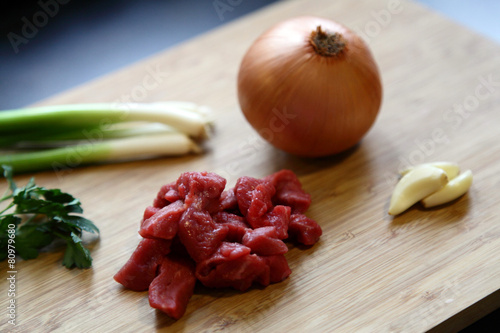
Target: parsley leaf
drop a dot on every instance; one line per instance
(40, 217)
(75, 253)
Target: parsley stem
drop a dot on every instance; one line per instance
(6, 197)
(6, 209)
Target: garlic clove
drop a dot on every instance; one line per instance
(453, 190)
(415, 185)
(452, 169)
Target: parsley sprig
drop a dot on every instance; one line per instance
(41, 216)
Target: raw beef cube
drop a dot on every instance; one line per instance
(243, 192)
(264, 241)
(171, 290)
(149, 211)
(172, 195)
(199, 234)
(164, 223)
(141, 268)
(289, 191)
(279, 218)
(261, 202)
(236, 225)
(278, 267)
(232, 266)
(303, 229)
(162, 199)
(228, 201)
(254, 197)
(201, 190)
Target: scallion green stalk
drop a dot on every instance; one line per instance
(147, 146)
(191, 121)
(115, 131)
(67, 136)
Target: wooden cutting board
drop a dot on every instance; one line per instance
(370, 272)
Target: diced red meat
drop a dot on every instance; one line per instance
(166, 195)
(200, 234)
(231, 250)
(279, 218)
(289, 191)
(226, 217)
(278, 267)
(234, 238)
(228, 201)
(254, 197)
(172, 195)
(236, 225)
(201, 190)
(231, 266)
(261, 202)
(264, 241)
(243, 192)
(141, 267)
(149, 211)
(164, 223)
(171, 290)
(303, 229)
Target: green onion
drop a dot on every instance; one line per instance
(55, 139)
(181, 116)
(48, 137)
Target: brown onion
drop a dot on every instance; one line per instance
(310, 86)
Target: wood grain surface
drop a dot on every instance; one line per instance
(369, 272)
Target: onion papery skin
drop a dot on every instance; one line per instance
(305, 103)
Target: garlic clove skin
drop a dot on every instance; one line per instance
(415, 185)
(453, 190)
(452, 169)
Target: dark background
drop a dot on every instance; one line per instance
(85, 39)
(88, 38)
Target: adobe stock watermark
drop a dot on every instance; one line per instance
(452, 119)
(11, 275)
(456, 115)
(223, 6)
(425, 148)
(92, 137)
(252, 146)
(380, 20)
(31, 26)
(151, 81)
